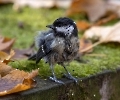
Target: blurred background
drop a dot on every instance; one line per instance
(20, 20)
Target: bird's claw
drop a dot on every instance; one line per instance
(69, 76)
(55, 80)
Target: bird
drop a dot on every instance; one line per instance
(58, 45)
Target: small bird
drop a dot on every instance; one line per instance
(58, 45)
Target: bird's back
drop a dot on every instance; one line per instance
(63, 50)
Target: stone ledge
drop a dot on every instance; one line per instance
(103, 86)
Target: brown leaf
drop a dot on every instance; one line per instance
(5, 58)
(6, 43)
(4, 69)
(17, 81)
(95, 9)
(82, 25)
(85, 43)
(103, 34)
(20, 54)
(108, 18)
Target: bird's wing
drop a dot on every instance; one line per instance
(44, 50)
(42, 36)
(33, 57)
(44, 47)
(42, 41)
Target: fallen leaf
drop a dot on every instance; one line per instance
(6, 43)
(95, 9)
(103, 34)
(4, 69)
(20, 54)
(108, 18)
(3, 56)
(114, 6)
(6, 58)
(85, 43)
(82, 25)
(17, 81)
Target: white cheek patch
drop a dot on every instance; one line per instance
(65, 29)
(74, 22)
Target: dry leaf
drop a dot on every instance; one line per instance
(4, 69)
(103, 34)
(25, 53)
(6, 43)
(82, 25)
(17, 81)
(108, 18)
(85, 43)
(95, 9)
(5, 58)
(114, 6)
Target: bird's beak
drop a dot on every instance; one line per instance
(50, 26)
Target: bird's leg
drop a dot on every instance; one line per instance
(68, 75)
(54, 77)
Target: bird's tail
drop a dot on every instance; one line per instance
(42, 52)
(33, 57)
(38, 56)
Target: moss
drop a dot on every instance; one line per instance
(36, 19)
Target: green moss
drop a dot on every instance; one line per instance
(36, 19)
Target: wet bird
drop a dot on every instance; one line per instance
(58, 45)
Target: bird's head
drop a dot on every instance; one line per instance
(64, 27)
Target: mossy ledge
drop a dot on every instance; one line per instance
(103, 86)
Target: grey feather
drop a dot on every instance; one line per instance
(43, 36)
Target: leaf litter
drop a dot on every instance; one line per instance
(14, 80)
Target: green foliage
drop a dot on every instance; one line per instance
(35, 20)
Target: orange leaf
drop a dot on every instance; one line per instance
(95, 9)
(6, 43)
(4, 69)
(5, 58)
(16, 81)
(82, 25)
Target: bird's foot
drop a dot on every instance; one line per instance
(69, 76)
(55, 80)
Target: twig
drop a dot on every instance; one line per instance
(90, 47)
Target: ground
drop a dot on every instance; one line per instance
(24, 24)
